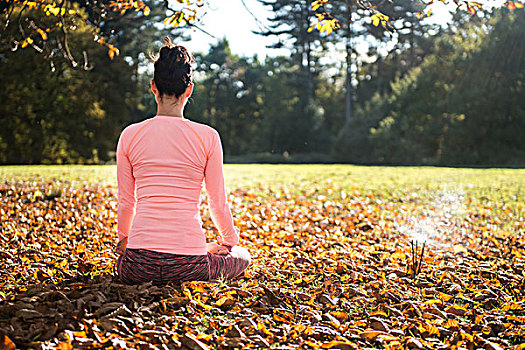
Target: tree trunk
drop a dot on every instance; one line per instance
(411, 41)
(379, 88)
(311, 92)
(348, 83)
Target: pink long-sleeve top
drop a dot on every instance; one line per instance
(161, 165)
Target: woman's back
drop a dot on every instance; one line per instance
(161, 163)
(168, 158)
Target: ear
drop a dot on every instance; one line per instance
(189, 90)
(154, 87)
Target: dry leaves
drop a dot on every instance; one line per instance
(330, 270)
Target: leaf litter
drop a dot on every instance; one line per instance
(330, 269)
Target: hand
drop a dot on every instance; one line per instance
(121, 246)
(218, 249)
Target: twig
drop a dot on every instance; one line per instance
(417, 258)
(202, 30)
(260, 24)
(421, 258)
(413, 254)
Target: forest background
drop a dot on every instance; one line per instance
(421, 94)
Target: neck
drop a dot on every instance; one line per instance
(170, 109)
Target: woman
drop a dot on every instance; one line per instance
(161, 164)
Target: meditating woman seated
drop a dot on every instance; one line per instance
(161, 164)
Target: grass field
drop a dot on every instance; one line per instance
(498, 183)
(333, 262)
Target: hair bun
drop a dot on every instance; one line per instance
(173, 73)
(164, 52)
(167, 42)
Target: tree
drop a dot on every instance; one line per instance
(464, 104)
(255, 107)
(65, 116)
(99, 18)
(17, 34)
(225, 97)
(290, 24)
(291, 20)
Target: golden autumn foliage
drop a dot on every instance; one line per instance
(331, 269)
(178, 13)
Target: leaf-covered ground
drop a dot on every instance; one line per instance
(334, 264)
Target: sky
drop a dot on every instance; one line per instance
(232, 19)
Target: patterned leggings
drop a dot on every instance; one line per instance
(137, 266)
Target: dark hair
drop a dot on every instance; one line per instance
(173, 72)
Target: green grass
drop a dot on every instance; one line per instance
(505, 184)
(501, 189)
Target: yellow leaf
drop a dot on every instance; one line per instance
(512, 306)
(337, 344)
(280, 319)
(206, 337)
(146, 11)
(458, 248)
(378, 313)
(42, 33)
(445, 297)
(398, 255)
(64, 346)
(342, 316)
(225, 301)
(197, 287)
(388, 337)
(433, 301)
(451, 324)
(371, 335)
(112, 51)
(375, 20)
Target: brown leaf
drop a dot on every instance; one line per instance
(326, 299)
(259, 341)
(193, 343)
(371, 335)
(28, 314)
(456, 310)
(492, 346)
(340, 345)
(234, 332)
(225, 302)
(378, 325)
(413, 343)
